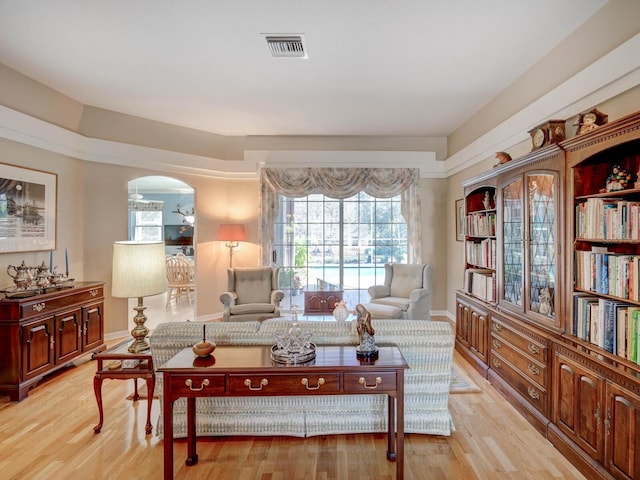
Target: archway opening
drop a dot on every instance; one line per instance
(163, 208)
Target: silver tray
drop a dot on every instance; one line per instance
(281, 356)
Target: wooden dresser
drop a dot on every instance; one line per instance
(43, 333)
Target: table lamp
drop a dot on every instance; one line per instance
(232, 234)
(139, 270)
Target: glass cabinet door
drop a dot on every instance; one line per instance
(541, 191)
(513, 240)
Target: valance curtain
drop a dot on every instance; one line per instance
(340, 183)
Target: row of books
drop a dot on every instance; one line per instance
(607, 273)
(608, 219)
(480, 224)
(483, 253)
(481, 283)
(611, 325)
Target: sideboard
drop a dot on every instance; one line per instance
(43, 333)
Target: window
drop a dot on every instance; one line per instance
(327, 243)
(147, 226)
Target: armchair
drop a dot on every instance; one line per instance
(407, 287)
(252, 294)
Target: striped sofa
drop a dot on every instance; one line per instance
(426, 345)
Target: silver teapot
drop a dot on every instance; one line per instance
(21, 275)
(42, 276)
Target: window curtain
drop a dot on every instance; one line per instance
(340, 183)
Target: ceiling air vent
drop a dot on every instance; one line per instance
(287, 46)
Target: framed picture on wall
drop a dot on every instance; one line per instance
(27, 209)
(460, 220)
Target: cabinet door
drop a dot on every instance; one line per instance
(622, 428)
(38, 343)
(68, 335)
(542, 241)
(513, 243)
(92, 326)
(578, 405)
(313, 303)
(463, 323)
(478, 340)
(331, 301)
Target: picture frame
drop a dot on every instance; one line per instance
(460, 214)
(28, 203)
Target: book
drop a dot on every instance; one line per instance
(620, 347)
(632, 334)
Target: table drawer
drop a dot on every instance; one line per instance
(525, 363)
(197, 385)
(302, 384)
(537, 350)
(370, 382)
(534, 393)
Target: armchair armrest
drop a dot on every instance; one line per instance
(276, 297)
(377, 291)
(417, 294)
(228, 299)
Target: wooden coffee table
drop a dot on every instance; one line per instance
(245, 371)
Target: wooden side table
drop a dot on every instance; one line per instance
(119, 364)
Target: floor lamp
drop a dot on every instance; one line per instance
(232, 234)
(139, 270)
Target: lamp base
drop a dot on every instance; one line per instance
(139, 332)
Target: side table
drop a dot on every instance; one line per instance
(120, 364)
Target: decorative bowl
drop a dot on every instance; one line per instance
(204, 349)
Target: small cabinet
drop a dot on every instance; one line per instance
(622, 430)
(321, 302)
(472, 320)
(42, 333)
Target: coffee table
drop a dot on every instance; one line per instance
(243, 371)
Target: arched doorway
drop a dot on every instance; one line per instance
(163, 208)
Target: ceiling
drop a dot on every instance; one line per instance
(374, 67)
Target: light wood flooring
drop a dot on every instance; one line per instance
(49, 435)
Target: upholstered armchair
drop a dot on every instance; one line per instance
(252, 294)
(407, 287)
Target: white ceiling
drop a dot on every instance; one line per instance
(375, 67)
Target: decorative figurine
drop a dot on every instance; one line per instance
(503, 157)
(637, 182)
(588, 122)
(545, 301)
(486, 202)
(367, 347)
(617, 180)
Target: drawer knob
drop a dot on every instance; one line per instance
(533, 369)
(497, 327)
(362, 381)
(496, 363)
(533, 349)
(533, 393)
(305, 382)
(189, 383)
(496, 344)
(263, 383)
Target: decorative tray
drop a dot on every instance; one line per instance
(15, 292)
(281, 355)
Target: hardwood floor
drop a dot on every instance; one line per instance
(50, 435)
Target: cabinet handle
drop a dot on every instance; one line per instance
(52, 342)
(496, 344)
(533, 349)
(598, 415)
(263, 383)
(189, 383)
(497, 327)
(496, 363)
(363, 382)
(607, 422)
(533, 369)
(533, 393)
(93, 293)
(38, 307)
(305, 382)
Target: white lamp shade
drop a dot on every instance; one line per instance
(139, 269)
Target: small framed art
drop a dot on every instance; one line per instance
(460, 220)
(27, 209)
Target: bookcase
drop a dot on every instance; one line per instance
(480, 242)
(558, 339)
